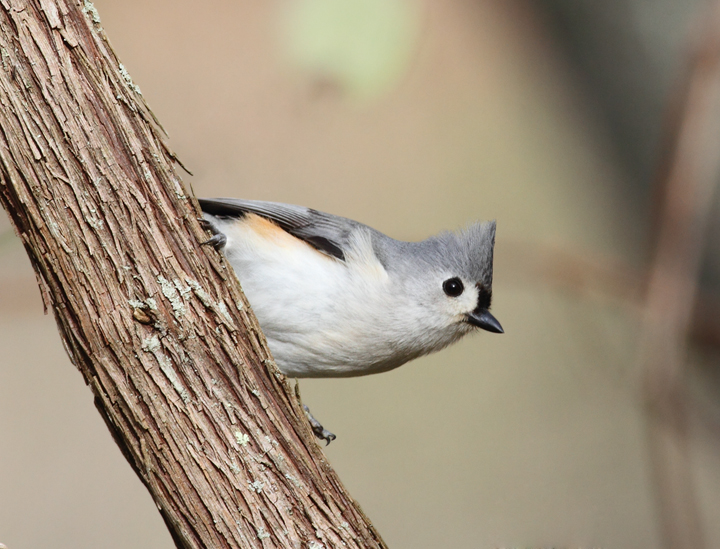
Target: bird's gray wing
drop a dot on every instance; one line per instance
(327, 233)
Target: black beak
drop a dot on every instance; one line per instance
(483, 319)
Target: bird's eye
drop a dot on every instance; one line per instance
(453, 287)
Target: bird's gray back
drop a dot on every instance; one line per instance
(327, 232)
(468, 252)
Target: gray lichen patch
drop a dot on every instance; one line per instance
(91, 11)
(241, 438)
(151, 344)
(218, 307)
(294, 480)
(128, 79)
(168, 370)
(201, 294)
(234, 468)
(184, 291)
(173, 296)
(222, 309)
(95, 222)
(179, 190)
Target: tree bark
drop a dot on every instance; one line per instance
(157, 324)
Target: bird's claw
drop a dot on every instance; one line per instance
(218, 238)
(317, 428)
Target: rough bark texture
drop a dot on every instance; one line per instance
(156, 323)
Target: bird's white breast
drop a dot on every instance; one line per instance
(323, 317)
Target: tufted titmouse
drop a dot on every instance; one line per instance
(336, 298)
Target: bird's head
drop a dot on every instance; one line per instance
(453, 280)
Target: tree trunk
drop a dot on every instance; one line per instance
(157, 324)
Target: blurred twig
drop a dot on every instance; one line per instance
(588, 275)
(688, 181)
(581, 273)
(672, 308)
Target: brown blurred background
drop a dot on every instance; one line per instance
(411, 116)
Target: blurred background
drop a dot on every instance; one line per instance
(413, 116)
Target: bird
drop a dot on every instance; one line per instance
(337, 298)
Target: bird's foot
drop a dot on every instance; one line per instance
(218, 238)
(317, 428)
